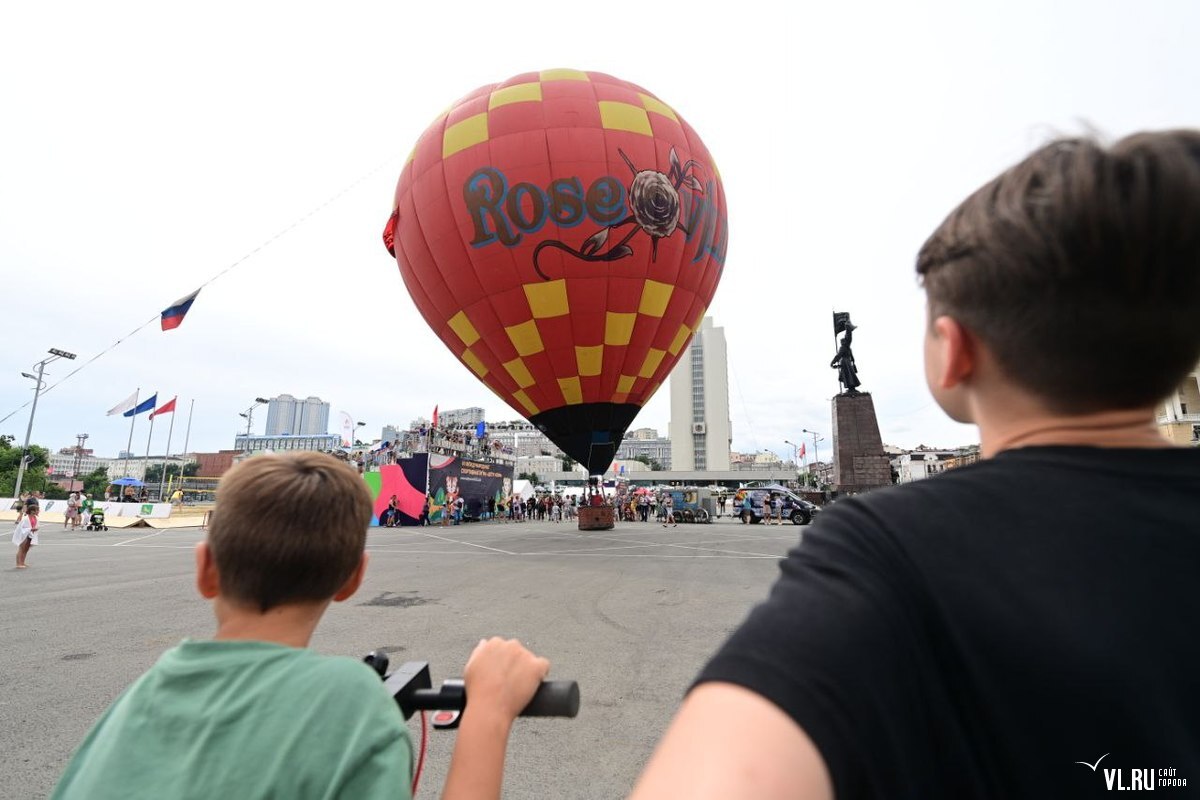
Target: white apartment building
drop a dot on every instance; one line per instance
(700, 429)
(655, 448)
(523, 440)
(63, 462)
(461, 417)
(1179, 414)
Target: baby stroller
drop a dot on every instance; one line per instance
(96, 521)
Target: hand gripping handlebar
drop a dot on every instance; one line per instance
(412, 688)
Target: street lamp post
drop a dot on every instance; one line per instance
(248, 415)
(795, 455)
(41, 369)
(816, 449)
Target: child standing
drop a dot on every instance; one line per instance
(26, 534)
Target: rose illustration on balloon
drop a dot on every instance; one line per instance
(655, 203)
(655, 206)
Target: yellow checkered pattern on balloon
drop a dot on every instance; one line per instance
(614, 115)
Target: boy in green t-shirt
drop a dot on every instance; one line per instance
(253, 712)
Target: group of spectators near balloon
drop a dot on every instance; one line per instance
(546, 507)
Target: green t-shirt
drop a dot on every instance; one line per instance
(243, 719)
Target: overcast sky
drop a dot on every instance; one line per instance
(148, 146)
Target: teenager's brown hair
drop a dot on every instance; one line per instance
(1079, 268)
(288, 528)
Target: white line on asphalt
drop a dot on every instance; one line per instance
(139, 538)
(469, 544)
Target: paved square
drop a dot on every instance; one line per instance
(630, 613)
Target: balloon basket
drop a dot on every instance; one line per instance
(597, 518)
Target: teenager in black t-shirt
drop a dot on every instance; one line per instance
(1026, 626)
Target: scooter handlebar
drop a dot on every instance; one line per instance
(554, 699)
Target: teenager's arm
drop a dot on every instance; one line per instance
(728, 743)
(501, 677)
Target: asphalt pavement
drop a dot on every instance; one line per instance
(631, 614)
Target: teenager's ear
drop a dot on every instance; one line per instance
(208, 582)
(957, 355)
(353, 582)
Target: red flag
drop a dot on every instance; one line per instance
(434, 423)
(168, 408)
(802, 449)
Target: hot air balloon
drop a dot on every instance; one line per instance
(563, 233)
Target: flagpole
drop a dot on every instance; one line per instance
(146, 459)
(166, 455)
(129, 444)
(187, 437)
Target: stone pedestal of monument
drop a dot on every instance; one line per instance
(859, 462)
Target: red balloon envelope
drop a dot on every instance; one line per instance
(563, 232)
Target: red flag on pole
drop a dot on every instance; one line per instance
(434, 423)
(168, 408)
(802, 449)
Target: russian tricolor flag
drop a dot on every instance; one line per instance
(173, 316)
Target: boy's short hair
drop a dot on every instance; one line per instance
(1079, 268)
(288, 528)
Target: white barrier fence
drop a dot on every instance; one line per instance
(141, 510)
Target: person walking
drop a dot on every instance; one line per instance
(669, 518)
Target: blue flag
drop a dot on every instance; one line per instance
(145, 405)
(479, 430)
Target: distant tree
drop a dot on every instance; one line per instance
(566, 464)
(10, 460)
(532, 477)
(95, 482)
(154, 472)
(652, 463)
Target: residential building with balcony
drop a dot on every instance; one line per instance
(1179, 414)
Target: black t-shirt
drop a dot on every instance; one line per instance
(977, 633)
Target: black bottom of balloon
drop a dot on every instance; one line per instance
(590, 433)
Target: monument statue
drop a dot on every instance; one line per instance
(859, 461)
(843, 362)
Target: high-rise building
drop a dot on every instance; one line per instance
(281, 415)
(287, 416)
(312, 417)
(700, 429)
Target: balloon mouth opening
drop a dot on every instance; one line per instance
(389, 232)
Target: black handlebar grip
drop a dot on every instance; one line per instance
(554, 699)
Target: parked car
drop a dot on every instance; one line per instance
(795, 508)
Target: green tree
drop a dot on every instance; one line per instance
(154, 472)
(96, 481)
(652, 463)
(10, 459)
(532, 477)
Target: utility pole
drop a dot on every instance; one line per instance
(80, 438)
